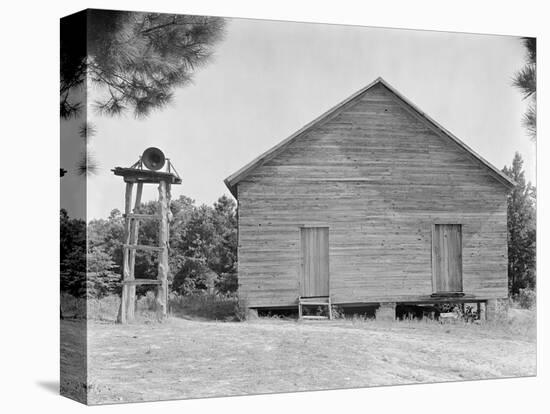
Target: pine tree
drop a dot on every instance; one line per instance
(521, 230)
(224, 262)
(526, 80)
(136, 59)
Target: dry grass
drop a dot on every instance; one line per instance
(189, 358)
(73, 359)
(211, 306)
(215, 307)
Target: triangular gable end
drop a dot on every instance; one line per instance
(232, 181)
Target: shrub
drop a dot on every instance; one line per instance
(516, 323)
(526, 298)
(147, 302)
(200, 303)
(227, 283)
(104, 309)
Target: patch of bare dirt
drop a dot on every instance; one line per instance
(190, 359)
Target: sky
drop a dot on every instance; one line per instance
(269, 78)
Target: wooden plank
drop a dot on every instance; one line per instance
(126, 308)
(444, 269)
(324, 261)
(134, 231)
(143, 216)
(304, 278)
(455, 258)
(313, 252)
(309, 298)
(142, 282)
(314, 299)
(143, 247)
(436, 258)
(145, 176)
(162, 275)
(304, 303)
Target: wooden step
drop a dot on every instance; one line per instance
(314, 317)
(143, 247)
(314, 297)
(314, 303)
(142, 282)
(322, 299)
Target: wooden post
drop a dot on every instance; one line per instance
(124, 301)
(162, 276)
(134, 231)
(169, 216)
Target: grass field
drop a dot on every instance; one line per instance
(190, 358)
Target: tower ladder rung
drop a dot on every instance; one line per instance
(143, 247)
(142, 282)
(137, 216)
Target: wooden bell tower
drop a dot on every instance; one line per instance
(153, 160)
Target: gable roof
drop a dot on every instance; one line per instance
(232, 181)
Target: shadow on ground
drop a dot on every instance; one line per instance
(50, 386)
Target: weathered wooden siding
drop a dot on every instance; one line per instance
(378, 176)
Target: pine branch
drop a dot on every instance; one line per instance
(526, 80)
(160, 26)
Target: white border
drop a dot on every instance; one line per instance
(30, 129)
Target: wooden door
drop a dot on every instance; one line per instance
(447, 258)
(314, 280)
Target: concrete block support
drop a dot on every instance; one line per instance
(251, 314)
(481, 307)
(491, 309)
(386, 311)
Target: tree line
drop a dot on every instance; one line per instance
(203, 249)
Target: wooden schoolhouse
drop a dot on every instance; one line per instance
(374, 203)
